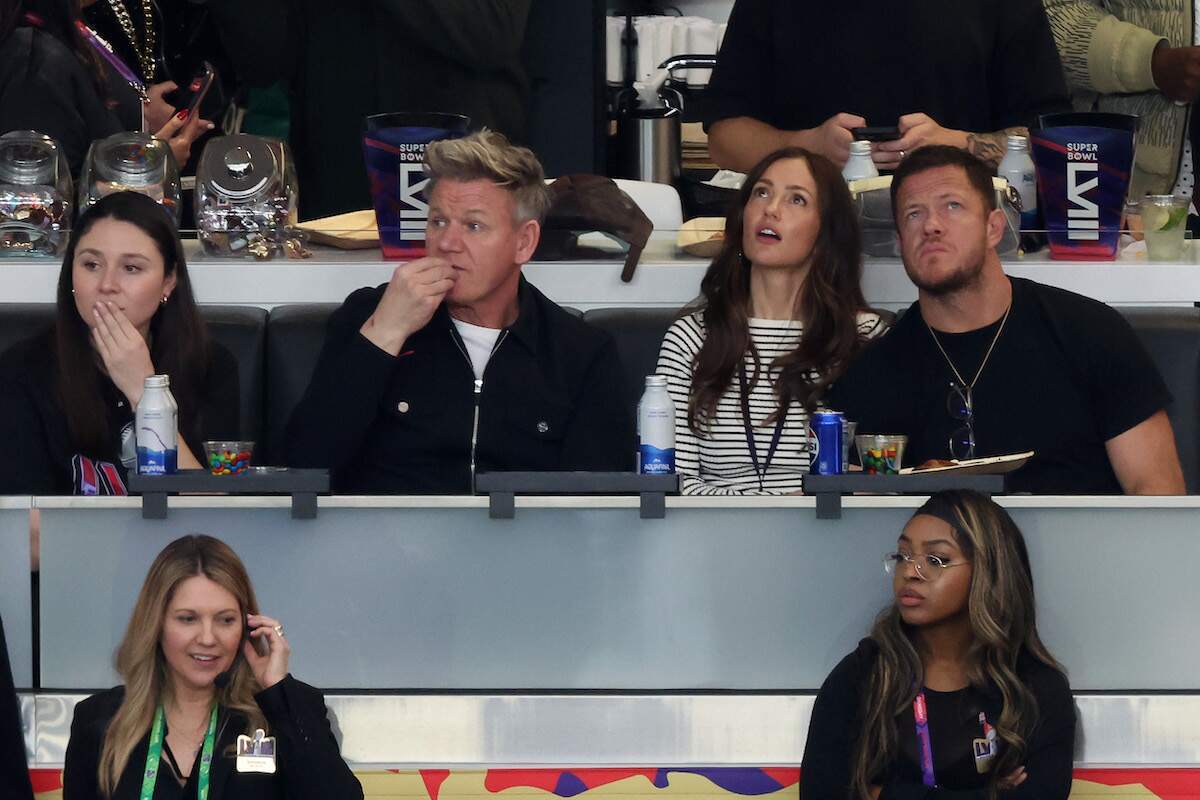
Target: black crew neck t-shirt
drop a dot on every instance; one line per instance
(975, 65)
(1067, 374)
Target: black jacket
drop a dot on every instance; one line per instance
(345, 61)
(32, 419)
(836, 720)
(308, 767)
(551, 399)
(14, 771)
(44, 87)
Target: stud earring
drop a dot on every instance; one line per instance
(165, 298)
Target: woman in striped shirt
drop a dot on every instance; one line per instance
(781, 313)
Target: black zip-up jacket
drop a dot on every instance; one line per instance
(550, 399)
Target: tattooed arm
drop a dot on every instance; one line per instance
(918, 130)
(990, 147)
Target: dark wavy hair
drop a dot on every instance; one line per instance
(1003, 616)
(57, 18)
(178, 338)
(827, 305)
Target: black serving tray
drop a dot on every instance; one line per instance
(302, 484)
(502, 488)
(828, 489)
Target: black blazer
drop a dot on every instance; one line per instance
(14, 770)
(309, 765)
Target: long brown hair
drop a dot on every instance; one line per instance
(1003, 618)
(827, 305)
(140, 660)
(178, 339)
(56, 17)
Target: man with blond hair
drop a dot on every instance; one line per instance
(458, 365)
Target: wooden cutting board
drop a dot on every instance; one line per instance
(353, 231)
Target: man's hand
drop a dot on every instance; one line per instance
(1176, 72)
(122, 349)
(832, 137)
(413, 294)
(916, 130)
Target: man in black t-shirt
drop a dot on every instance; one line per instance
(986, 365)
(959, 72)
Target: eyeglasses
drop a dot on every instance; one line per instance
(962, 439)
(929, 568)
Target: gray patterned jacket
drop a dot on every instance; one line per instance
(1105, 47)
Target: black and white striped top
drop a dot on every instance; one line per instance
(718, 462)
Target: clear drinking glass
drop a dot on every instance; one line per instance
(1164, 223)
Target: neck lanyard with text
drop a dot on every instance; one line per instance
(750, 443)
(154, 755)
(921, 715)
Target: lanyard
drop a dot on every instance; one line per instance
(106, 52)
(154, 755)
(750, 443)
(921, 715)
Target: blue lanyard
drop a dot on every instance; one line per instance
(921, 715)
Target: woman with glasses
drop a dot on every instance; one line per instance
(780, 316)
(953, 694)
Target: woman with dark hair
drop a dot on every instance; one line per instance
(206, 684)
(125, 311)
(781, 314)
(954, 694)
(58, 78)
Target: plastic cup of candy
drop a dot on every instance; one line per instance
(880, 454)
(228, 458)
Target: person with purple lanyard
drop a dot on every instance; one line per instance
(960, 638)
(59, 78)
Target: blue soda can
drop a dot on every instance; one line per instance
(825, 442)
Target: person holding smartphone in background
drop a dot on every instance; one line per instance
(203, 668)
(965, 73)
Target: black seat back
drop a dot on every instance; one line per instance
(241, 329)
(638, 333)
(1173, 338)
(295, 334)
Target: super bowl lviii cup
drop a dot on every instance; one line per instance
(394, 148)
(1083, 164)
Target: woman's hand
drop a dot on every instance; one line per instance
(273, 667)
(122, 349)
(180, 131)
(157, 109)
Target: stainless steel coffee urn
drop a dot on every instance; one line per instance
(649, 119)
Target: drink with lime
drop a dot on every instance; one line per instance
(1164, 221)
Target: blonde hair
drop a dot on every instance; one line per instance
(1002, 612)
(139, 658)
(490, 156)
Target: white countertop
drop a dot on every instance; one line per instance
(663, 278)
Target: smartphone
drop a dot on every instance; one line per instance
(876, 134)
(260, 644)
(191, 96)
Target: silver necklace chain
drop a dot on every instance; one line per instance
(970, 386)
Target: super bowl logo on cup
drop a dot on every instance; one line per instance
(1083, 219)
(414, 211)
